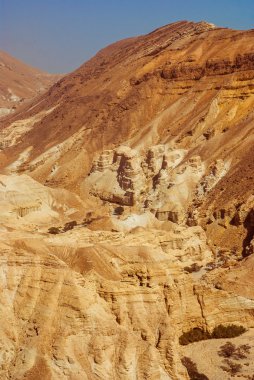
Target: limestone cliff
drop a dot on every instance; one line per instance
(127, 212)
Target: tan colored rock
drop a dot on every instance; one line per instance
(142, 162)
(104, 161)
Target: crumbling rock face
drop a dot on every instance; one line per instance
(216, 172)
(147, 152)
(103, 162)
(147, 181)
(106, 306)
(212, 67)
(155, 160)
(129, 172)
(230, 227)
(27, 208)
(96, 288)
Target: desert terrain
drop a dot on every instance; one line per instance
(19, 83)
(127, 214)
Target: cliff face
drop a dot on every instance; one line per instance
(141, 161)
(90, 303)
(187, 86)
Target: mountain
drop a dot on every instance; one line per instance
(188, 86)
(127, 214)
(20, 82)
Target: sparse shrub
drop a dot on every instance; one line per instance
(189, 364)
(210, 266)
(88, 219)
(197, 334)
(192, 268)
(245, 348)
(118, 210)
(86, 222)
(69, 225)
(218, 286)
(230, 331)
(229, 350)
(192, 369)
(194, 335)
(54, 230)
(231, 367)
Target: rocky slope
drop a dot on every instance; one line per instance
(20, 83)
(126, 203)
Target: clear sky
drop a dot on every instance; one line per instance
(59, 35)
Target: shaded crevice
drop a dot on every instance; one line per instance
(249, 225)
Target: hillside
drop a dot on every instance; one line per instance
(20, 82)
(127, 214)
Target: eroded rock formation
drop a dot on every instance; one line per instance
(126, 211)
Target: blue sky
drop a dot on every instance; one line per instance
(59, 35)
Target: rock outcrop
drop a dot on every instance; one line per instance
(126, 212)
(97, 304)
(158, 180)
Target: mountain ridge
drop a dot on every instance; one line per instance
(20, 82)
(127, 214)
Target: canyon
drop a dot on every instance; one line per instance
(127, 212)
